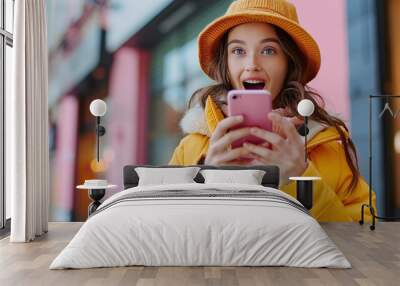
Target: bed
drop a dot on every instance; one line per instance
(201, 224)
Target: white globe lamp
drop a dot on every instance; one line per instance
(305, 108)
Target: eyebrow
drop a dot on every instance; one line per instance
(261, 42)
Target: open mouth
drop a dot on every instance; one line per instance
(254, 84)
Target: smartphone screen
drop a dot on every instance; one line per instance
(254, 106)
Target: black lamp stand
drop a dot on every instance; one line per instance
(304, 188)
(95, 195)
(304, 193)
(100, 131)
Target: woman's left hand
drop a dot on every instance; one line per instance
(287, 151)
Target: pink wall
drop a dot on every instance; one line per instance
(326, 22)
(128, 97)
(65, 156)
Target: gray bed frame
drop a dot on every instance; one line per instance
(270, 179)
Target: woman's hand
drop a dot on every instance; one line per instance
(285, 112)
(220, 151)
(287, 151)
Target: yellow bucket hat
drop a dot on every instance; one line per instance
(280, 13)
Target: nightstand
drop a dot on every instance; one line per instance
(96, 191)
(304, 190)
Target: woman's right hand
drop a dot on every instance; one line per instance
(219, 151)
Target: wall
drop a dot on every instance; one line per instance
(326, 22)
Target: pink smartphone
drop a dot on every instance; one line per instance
(254, 106)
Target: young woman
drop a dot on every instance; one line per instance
(259, 44)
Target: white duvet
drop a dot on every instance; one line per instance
(183, 231)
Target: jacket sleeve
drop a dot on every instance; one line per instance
(190, 150)
(332, 199)
(177, 156)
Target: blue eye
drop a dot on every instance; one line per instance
(269, 51)
(238, 51)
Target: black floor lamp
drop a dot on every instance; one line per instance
(304, 185)
(369, 205)
(97, 188)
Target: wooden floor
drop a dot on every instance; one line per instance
(374, 255)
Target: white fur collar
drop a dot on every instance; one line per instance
(194, 121)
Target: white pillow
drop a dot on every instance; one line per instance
(163, 176)
(248, 177)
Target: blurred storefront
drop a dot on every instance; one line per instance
(129, 55)
(141, 58)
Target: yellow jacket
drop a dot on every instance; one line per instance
(326, 160)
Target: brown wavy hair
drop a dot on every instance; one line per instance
(292, 92)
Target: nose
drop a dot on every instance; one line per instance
(251, 64)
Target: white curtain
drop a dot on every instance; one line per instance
(27, 153)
